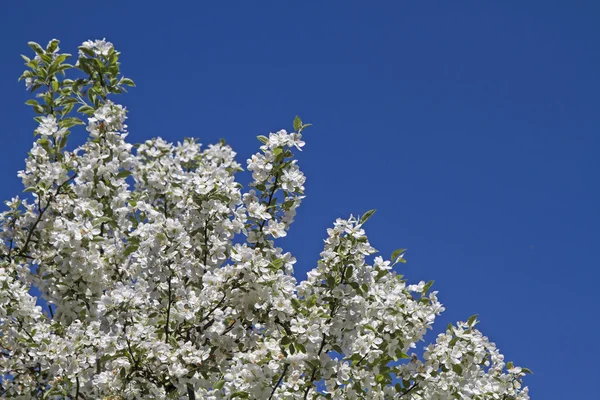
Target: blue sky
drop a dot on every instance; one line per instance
(472, 128)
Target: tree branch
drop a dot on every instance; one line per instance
(409, 389)
(273, 190)
(41, 210)
(190, 392)
(285, 368)
(168, 312)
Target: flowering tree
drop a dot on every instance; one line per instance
(161, 278)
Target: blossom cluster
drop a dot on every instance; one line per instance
(160, 277)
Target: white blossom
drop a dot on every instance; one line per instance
(162, 278)
(99, 47)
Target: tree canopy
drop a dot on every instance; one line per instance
(160, 276)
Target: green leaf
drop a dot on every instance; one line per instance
(472, 320)
(61, 58)
(366, 216)
(69, 122)
(86, 51)
(101, 220)
(297, 124)
(397, 253)
(287, 204)
(263, 139)
(349, 272)
(32, 102)
(427, 287)
(457, 368)
(330, 281)
(86, 110)
(278, 263)
(285, 340)
(369, 327)
(526, 370)
(295, 302)
(130, 249)
(277, 151)
(219, 385)
(381, 274)
(24, 75)
(53, 45)
(127, 81)
(510, 365)
(46, 58)
(67, 100)
(36, 47)
(123, 174)
(401, 354)
(337, 348)
(67, 109)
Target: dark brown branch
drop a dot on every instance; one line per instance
(314, 370)
(409, 389)
(41, 211)
(273, 190)
(190, 391)
(279, 381)
(168, 312)
(332, 313)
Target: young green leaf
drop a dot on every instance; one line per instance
(366, 216)
(397, 254)
(426, 288)
(37, 48)
(127, 82)
(263, 139)
(526, 370)
(219, 385)
(349, 272)
(123, 174)
(297, 123)
(285, 340)
(472, 320)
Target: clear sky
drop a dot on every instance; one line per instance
(471, 126)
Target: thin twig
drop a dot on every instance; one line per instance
(279, 381)
(409, 389)
(168, 313)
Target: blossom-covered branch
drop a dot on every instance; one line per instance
(163, 277)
